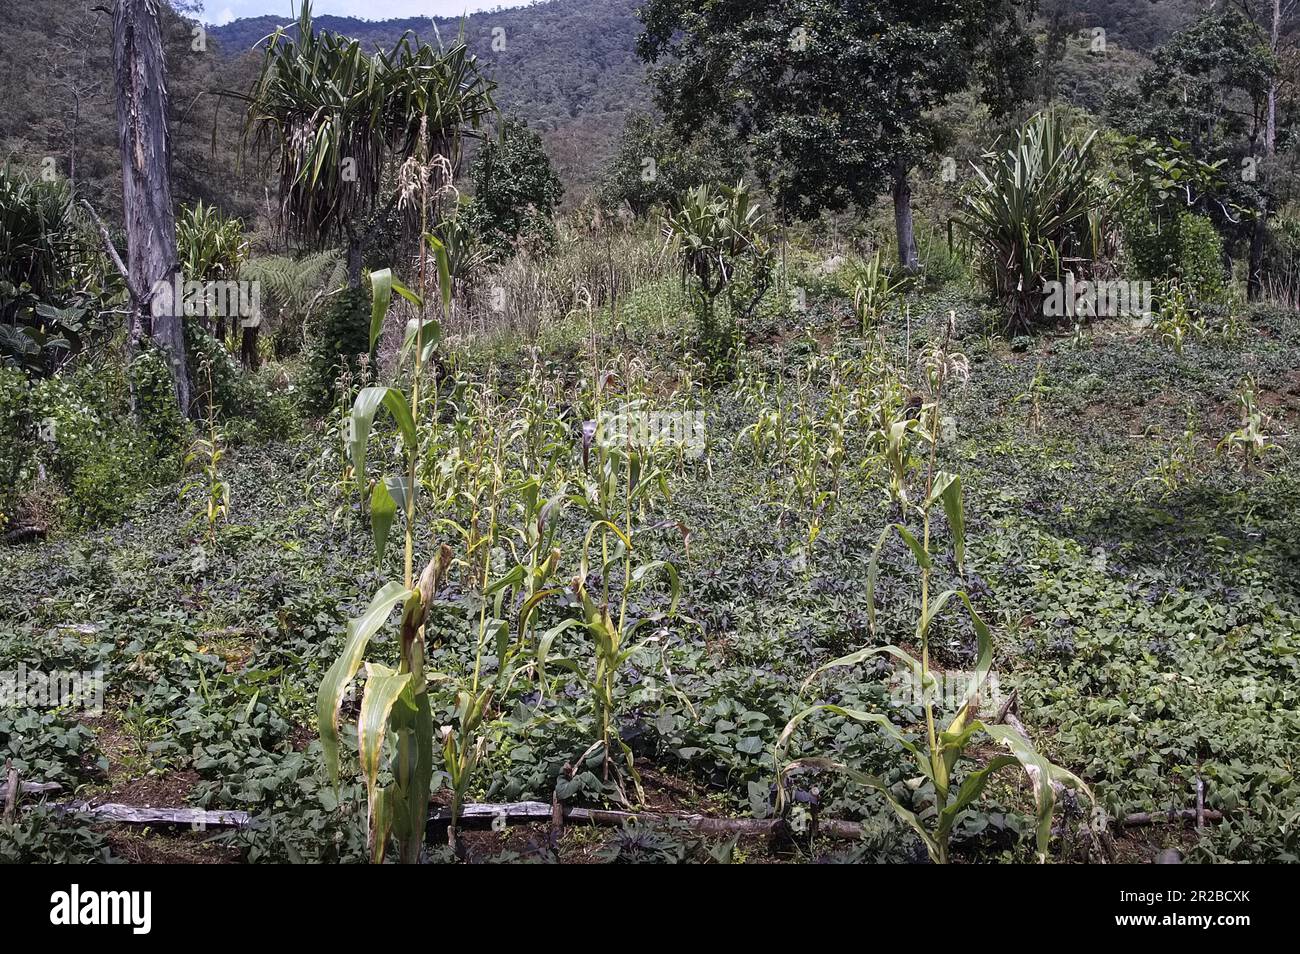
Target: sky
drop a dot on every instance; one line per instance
(223, 11)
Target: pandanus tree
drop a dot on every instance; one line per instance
(716, 233)
(335, 122)
(1035, 209)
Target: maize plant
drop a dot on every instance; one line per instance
(874, 291)
(612, 632)
(209, 453)
(625, 475)
(396, 701)
(939, 754)
(1178, 319)
(1249, 439)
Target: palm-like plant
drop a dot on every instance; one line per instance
(1036, 206)
(56, 288)
(334, 118)
(715, 232)
(209, 245)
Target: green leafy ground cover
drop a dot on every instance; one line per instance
(1140, 581)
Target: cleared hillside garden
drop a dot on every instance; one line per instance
(812, 503)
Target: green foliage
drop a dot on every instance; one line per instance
(515, 191)
(47, 836)
(102, 456)
(720, 236)
(161, 425)
(944, 750)
(339, 343)
(1249, 440)
(573, 80)
(1205, 86)
(293, 288)
(1037, 203)
(1183, 247)
(654, 167)
(1177, 319)
(216, 378)
(210, 246)
(828, 98)
(17, 441)
(874, 292)
(51, 293)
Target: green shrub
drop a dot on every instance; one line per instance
(270, 408)
(1282, 262)
(161, 426)
(341, 341)
(17, 447)
(94, 448)
(207, 356)
(1187, 248)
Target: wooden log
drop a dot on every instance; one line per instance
(195, 818)
(521, 813)
(38, 788)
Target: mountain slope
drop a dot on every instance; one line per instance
(568, 67)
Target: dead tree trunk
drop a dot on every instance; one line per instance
(1259, 235)
(140, 79)
(1270, 125)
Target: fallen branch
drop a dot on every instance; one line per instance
(109, 247)
(195, 818)
(522, 813)
(35, 788)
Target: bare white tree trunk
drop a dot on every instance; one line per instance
(1270, 127)
(141, 82)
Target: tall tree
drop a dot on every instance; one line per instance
(140, 80)
(832, 97)
(1209, 87)
(516, 190)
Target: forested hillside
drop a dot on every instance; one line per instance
(567, 67)
(59, 115)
